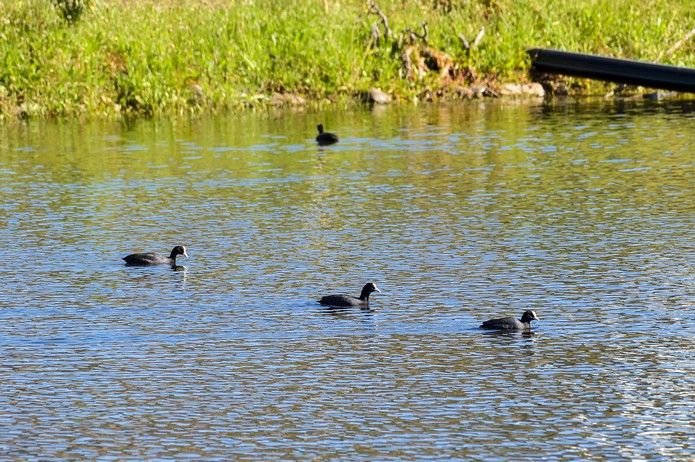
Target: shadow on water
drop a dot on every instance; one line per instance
(589, 107)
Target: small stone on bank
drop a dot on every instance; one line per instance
(377, 96)
(522, 89)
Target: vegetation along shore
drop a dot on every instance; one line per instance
(113, 58)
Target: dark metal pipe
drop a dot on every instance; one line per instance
(613, 69)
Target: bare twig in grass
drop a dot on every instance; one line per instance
(478, 38)
(375, 35)
(676, 46)
(413, 63)
(411, 36)
(374, 9)
(464, 42)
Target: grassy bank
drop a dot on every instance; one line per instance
(149, 57)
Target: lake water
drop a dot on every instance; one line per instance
(459, 213)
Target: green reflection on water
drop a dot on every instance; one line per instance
(537, 159)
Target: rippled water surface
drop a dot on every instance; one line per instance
(583, 213)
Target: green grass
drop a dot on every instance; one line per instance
(163, 58)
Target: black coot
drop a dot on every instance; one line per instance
(145, 259)
(348, 300)
(511, 323)
(325, 138)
